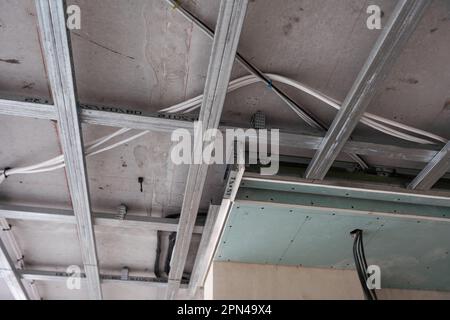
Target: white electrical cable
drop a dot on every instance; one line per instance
(94, 144)
(52, 161)
(55, 162)
(195, 103)
(60, 166)
(337, 105)
(58, 162)
(53, 168)
(118, 143)
(395, 133)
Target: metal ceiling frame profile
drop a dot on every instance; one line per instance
(201, 260)
(16, 254)
(159, 123)
(214, 230)
(394, 36)
(11, 275)
(58, 62)
(99, 219)
(41, 275)
(433, 171)
(338, 188)
(229, 26)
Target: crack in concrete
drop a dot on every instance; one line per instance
(102, 46)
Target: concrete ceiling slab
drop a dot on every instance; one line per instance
(118, 249)
(57, 290)
(117, 291)
(417, 89)
(26, 142)
(141, 54)
(21, 65)
(47, 245)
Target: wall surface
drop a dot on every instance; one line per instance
(250, 281)
(397, 294)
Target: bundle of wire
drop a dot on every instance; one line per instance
(361, 264)
(56, 163)
(378, 123)
(381, 124)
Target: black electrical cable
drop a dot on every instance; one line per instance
(158, 255)
(358, 266)
(361, 251)
(361, 264)
(363, 267)
(366, 268)
(172, 238)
